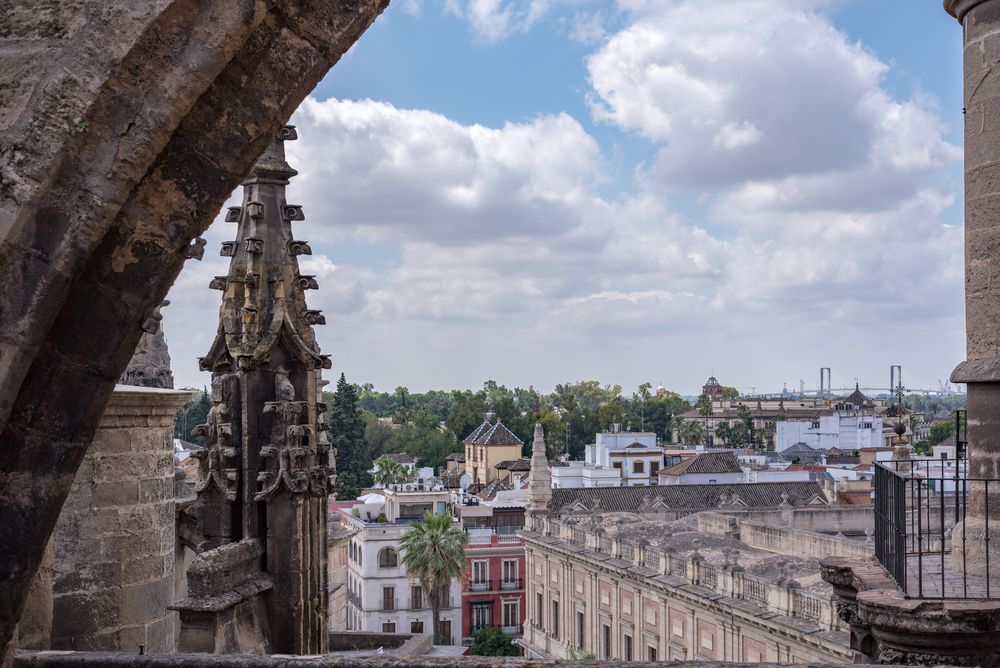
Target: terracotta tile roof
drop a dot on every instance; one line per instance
(487, 493)
(456, 457)
(706, 462)
(471, 438)
(515, 465)
(686, 497)
(399, 458)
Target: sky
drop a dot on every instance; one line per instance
(547, 191)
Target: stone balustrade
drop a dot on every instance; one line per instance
(783, 597)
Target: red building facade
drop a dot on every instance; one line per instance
(493, 587)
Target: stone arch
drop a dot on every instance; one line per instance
(114, 155)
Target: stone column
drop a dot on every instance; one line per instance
(981, 370)
(113, 566)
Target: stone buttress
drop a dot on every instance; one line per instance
(267, 467)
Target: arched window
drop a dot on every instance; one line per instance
(638, 467)
(387, 558)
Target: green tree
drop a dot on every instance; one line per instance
(347, 435)
(704, 405)
(389, 472)
(724, 430)
(194, 413)
(730, 393)
(430, 445)
(434, 551)
(692, 433)
(491, 641)
(466, 413)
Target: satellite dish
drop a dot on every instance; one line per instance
(465, 481)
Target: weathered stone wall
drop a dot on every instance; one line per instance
(113, 566)
(225, 610)
(92, 660)
(981, 368)
(124, 127)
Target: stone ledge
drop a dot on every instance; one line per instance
(94, 659)
(977, 371)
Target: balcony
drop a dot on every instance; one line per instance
(353, 599)
(493, 585)
(511, 585)
(921, 508)
(511, 630)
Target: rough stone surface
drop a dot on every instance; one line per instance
(981, 369)
(113, 570)
(124, 128)
(150, 363)
(886, 627)
(266, 467)
(89, 660)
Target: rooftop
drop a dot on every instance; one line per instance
(706, 462)
(686, 497)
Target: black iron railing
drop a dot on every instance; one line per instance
(922, 536)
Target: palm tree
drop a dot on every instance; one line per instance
(434, 551)
(388, 472)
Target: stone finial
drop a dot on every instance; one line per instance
(695, 554)
(786, 580)
(868, 535)
(150, 364)
(840, 529)
(539, 477)
(785, 499)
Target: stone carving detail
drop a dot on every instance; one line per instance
(265, 447)
(195, 251)
(299, 248)
(150, 364)
(218, 459)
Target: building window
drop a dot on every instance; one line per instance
(388, 598)
(481, 615)
(654, 467)
(510, 573)
(511, 614)
(416, 597)
(388, 558)
(555, 620)
(606, 644)
(416, 627)
(388, 627)
(638, 467)
(539, 612)
(617, 465)
(627, 647)
(580, 626)
(480, 575)
(651, 654)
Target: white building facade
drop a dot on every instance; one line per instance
(381, 595)
(635, 455)
(843, 430)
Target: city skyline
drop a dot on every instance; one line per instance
(555, 191)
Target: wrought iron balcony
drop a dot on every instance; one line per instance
(923, 537)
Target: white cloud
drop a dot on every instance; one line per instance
(499, 252)
(756, 89)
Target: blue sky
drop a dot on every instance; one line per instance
(551, 190)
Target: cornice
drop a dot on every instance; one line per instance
(959, 8)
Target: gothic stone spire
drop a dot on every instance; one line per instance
(266, 466)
